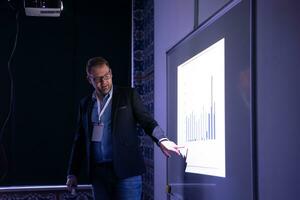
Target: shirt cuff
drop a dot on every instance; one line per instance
(71, 176)
(162, 139)
(159, 134)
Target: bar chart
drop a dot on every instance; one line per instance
(201, 125)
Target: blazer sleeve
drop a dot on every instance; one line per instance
(144, 118)
(78, 149)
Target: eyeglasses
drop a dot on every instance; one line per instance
(106, 77)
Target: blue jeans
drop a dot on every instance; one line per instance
(129, 188)
(107, 186)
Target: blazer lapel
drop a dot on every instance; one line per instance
(89, 116)
(115, 101)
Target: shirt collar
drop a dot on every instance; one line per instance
(94, 95)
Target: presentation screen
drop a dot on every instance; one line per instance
(201, 111)
(208, 104)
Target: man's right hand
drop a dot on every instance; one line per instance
(71, 182)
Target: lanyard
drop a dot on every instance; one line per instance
(100, 112)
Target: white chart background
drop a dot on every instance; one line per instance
(201, 110)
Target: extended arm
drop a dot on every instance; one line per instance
(151, 127)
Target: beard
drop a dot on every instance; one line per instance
(104, 90)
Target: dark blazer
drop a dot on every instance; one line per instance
(127, 111)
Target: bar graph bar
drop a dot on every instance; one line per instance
(201, 125)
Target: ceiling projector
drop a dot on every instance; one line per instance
(43, 8)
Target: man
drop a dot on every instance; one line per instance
(107, 138)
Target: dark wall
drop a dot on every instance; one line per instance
(278, 97)
(48, 68)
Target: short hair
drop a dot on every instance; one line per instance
(96, 61)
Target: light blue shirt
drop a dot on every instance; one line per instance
(102, 150)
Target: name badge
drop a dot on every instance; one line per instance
(97, 132)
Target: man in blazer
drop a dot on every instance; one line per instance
(106, 138)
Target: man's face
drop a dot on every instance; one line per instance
(100, 77)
